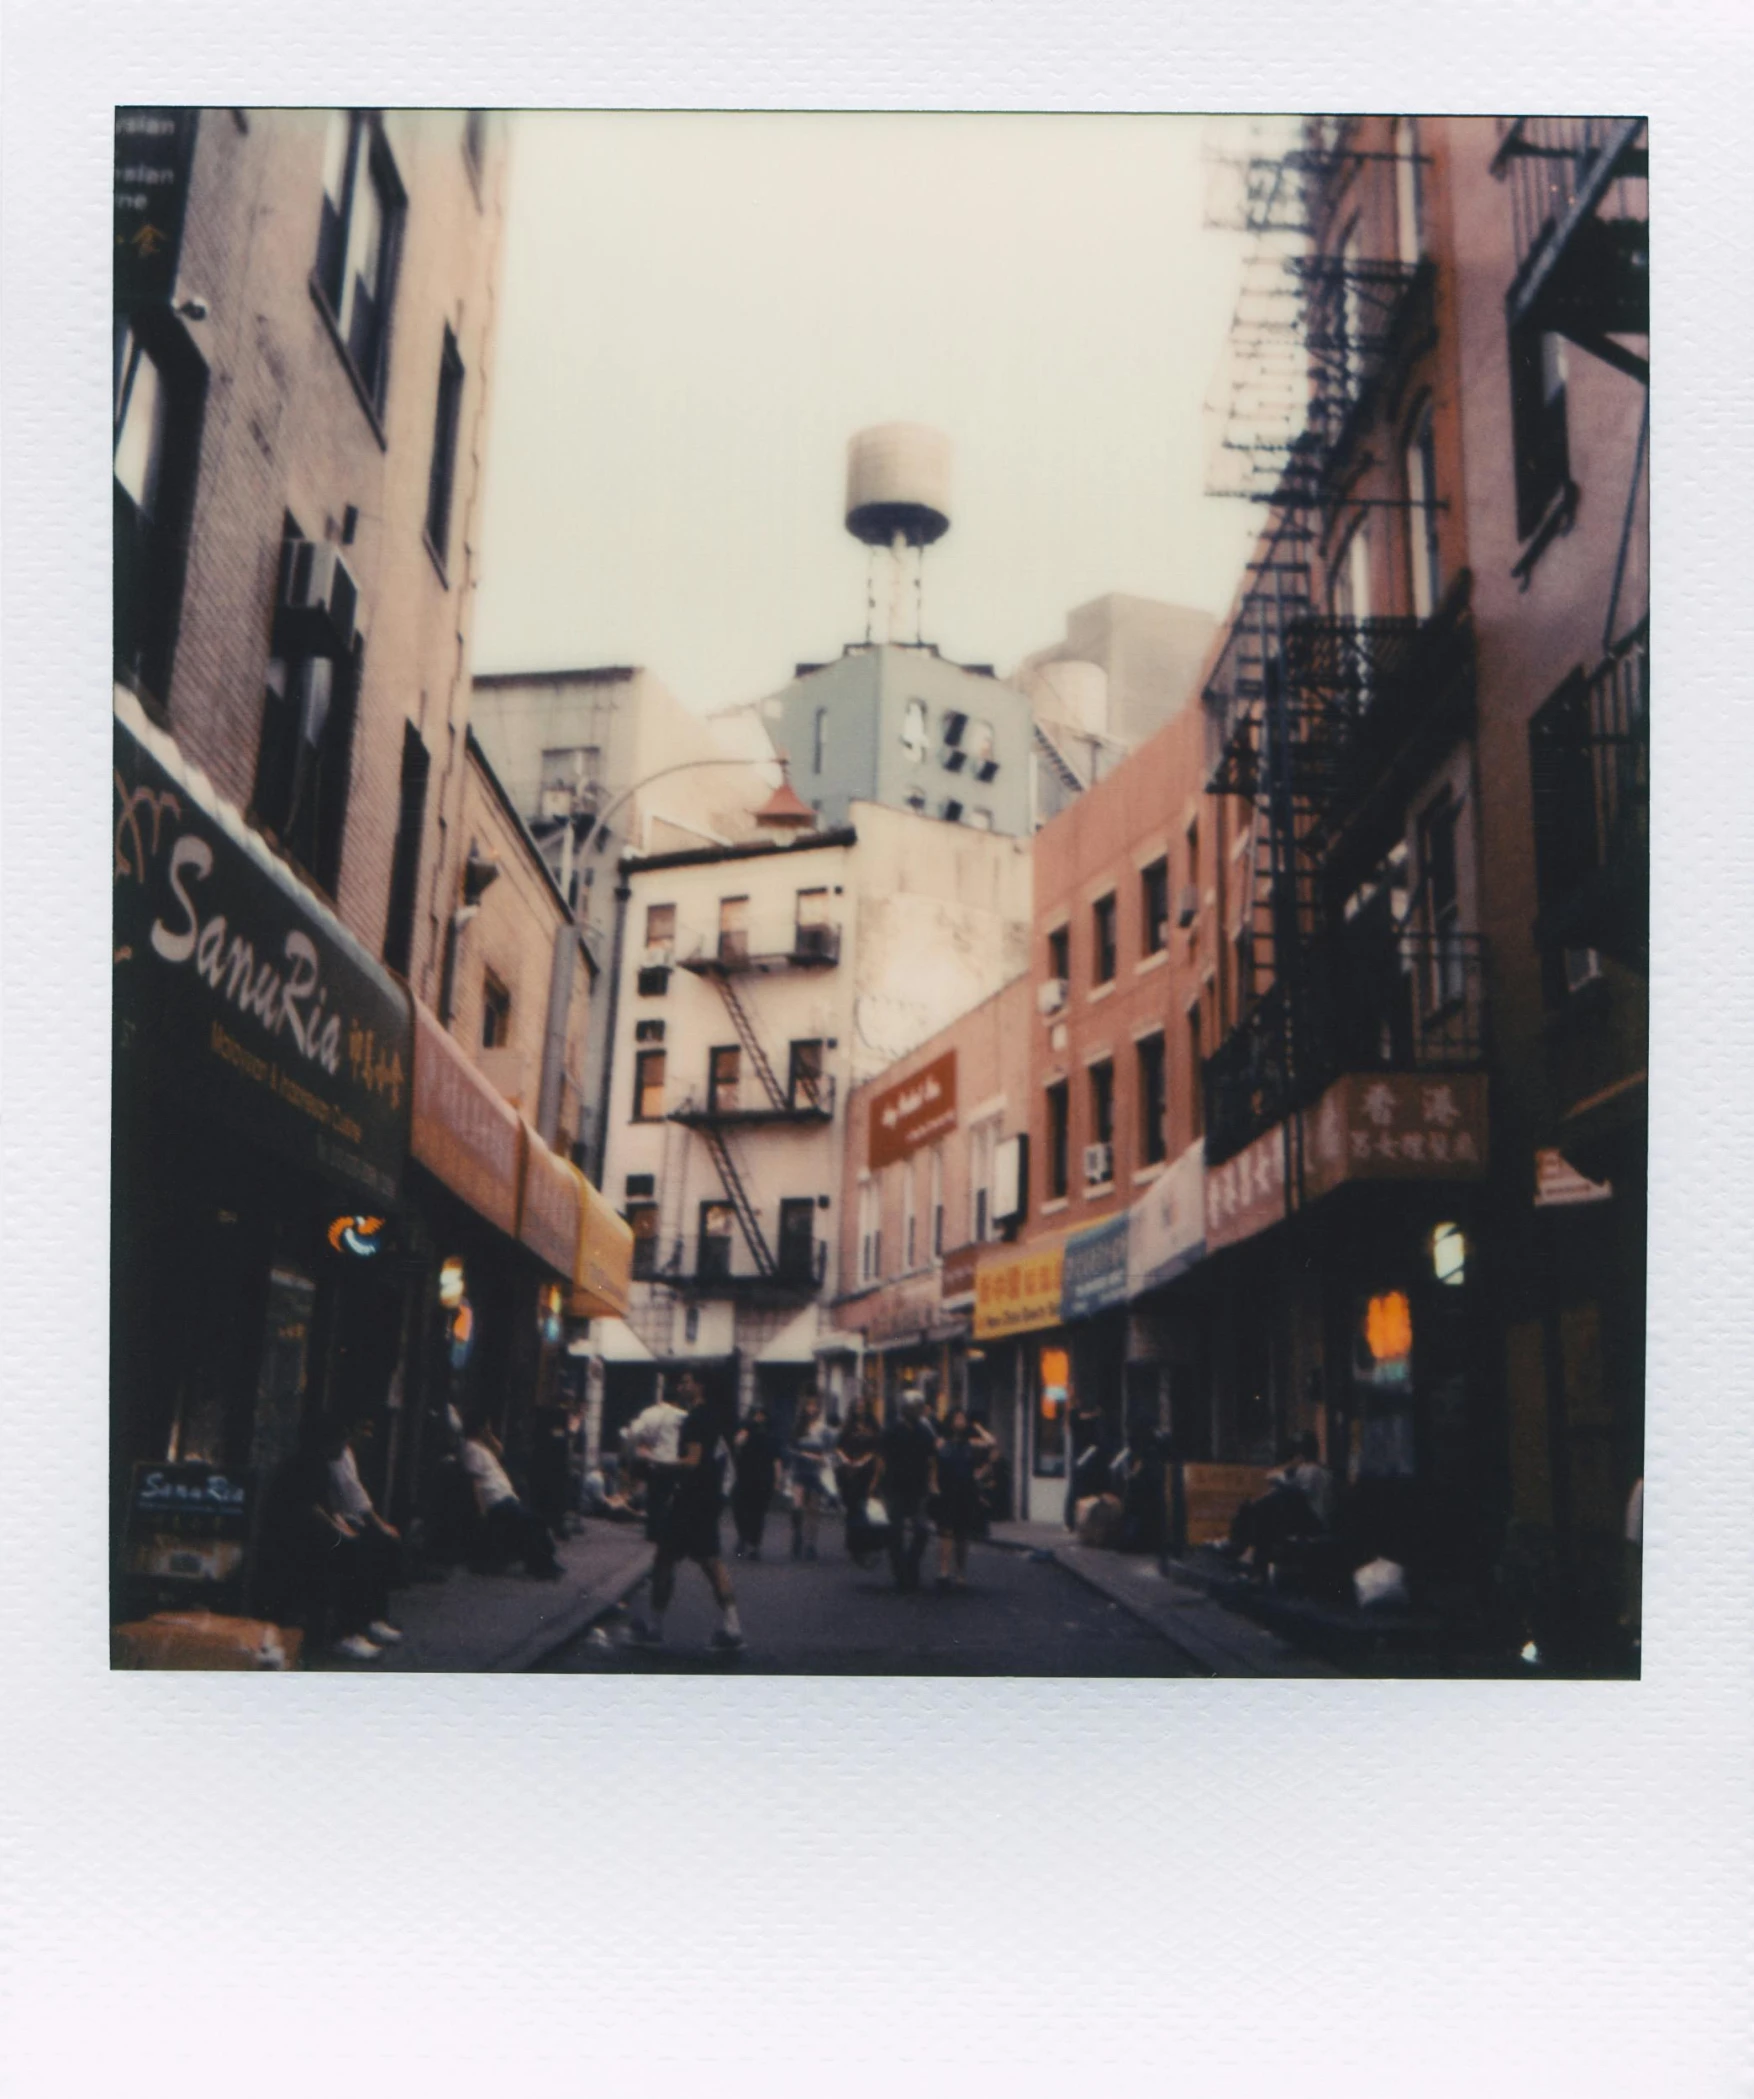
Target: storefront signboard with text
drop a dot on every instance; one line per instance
(1018, 1291)
(1247, 1193)
(465, 1132)
(913, 1111)
(1168, 1230)
(1095, 1273)
(956, 1275)
(237, 991)
(1396, 1126)
(154, 147)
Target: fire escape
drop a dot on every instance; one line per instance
(1312, 717)
(806, 1099)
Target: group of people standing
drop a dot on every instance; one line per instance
(899, 1486)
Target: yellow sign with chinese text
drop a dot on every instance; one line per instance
(1017, 1290)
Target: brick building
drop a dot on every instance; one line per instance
(309, 859)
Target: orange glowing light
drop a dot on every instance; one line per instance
(1388, 1327)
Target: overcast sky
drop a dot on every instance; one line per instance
(698, 311)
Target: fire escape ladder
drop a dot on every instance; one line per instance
(751, 1042)
(740, 1203)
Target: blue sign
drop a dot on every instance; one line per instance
(1095, 1273)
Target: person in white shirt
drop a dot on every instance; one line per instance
(350, 1509)
(653, 1441)
(509, 1525)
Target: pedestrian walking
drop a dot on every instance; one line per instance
(856, 1448)
(755, 1471)
(812, 1445)
(653, 1441)
(904, 1479)
(1086, 1458)
(690, 1528)
(959, 1468)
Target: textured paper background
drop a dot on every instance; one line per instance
(325, 1885)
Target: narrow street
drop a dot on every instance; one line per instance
(1017, 1617)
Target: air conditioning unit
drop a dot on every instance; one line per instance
(657, 956)
(318, 611)
(1583, 967)
(1187, 905)
(1050, 996)
(1099, 1164)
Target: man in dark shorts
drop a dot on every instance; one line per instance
(690, 1526)
(905, 1454)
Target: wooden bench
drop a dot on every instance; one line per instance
(1215, 1493)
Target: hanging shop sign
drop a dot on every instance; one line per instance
(1396, 1126)
(603, 1264)
(362, 1237)
(1558, 1183)
(1094, 1276)
(1247, 1194)
(154, 148)
(913, 1112)
(1018, 1291)
(236, 990)
(548, 1208)
(1167, 1231)
(464, 1132)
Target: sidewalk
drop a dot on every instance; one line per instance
(507, 1622)
(1178, 1608)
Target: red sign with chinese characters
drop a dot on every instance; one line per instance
(1247, 1193)
(1395, 1126)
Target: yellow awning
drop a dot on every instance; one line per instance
(603, 1270)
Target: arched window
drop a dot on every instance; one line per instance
(1409, 197)
(1425, 575)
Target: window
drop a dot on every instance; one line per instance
(910, 1220)
(1060, 953)
(814, 934)
(795, 1253)
(1154, 907)
(1102, 1112)
(733, 928)
(724, 1079)
(156, 441)
(570, 775)
(447, 418)
(643, 1219)
(1196, 1072)
(983, 751)
(913, 731)
(356, 245)
(1409, 201)
(1537, 406)
(717, 1223)
(648, 1031)
(1349, 582)
(804, 1087)
(1443, 904)
(870, 1230)
(660, 933)
(916, 801)
(304, 762)
(496, 1012)
(1103, 926)
(1427, 579)
(980, 1179)
(1153, 1102)
(648, 1086)
(819, 745)
(1059, 1138)
(405, 860)
(937, 1199)
(980, 819)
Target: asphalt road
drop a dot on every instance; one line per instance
(1017, 1617)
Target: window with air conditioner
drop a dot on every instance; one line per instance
(570, 777)
(357, 243)
(724, 1086)
(718, 1224)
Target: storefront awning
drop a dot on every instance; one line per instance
(613, 1341)
(549, 1205)
(237, 992)
(465, 1133)
(603, 1257)
(1167, 1226)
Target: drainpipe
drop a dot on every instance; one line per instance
(600, 1152)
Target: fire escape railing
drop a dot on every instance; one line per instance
(1589, 757)
(1417, 1002)
(1580, 224)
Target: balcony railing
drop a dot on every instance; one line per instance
(765, 948)
(798, 1272)
(747, 1105)
(1411, 1002)
(1580, 211)
(1589, 756)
